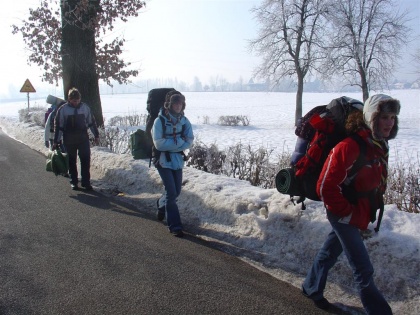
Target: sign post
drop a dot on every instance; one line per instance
(27, 88)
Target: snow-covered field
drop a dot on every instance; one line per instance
(261, 226)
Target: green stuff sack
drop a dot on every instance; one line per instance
(140, 145)
(59, 162)
(48, 166)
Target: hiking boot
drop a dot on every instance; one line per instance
(177, 233)
(74, 186)
(323, 304)
(87, 186)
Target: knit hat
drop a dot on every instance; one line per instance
(374, 106)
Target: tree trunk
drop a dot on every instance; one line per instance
(79, 56)
(365, 87)
(299, 100)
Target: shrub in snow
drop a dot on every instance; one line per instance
(233, 121)
(403, 187)
(34, 115)
(114, 138)
(131, 120)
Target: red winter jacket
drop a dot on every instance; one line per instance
(371, 176)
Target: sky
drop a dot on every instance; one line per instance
(260, 226)
(169, 39)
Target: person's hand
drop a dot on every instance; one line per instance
(47, 144)
(366, 234)
(54, 146)
(97, 141)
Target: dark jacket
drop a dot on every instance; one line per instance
(72, 123)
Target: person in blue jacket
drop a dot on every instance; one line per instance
(172, 134)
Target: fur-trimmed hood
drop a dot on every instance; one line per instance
(380, 103)
(172, 98)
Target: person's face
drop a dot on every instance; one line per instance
(385, 123)
(74, 102)
(177, 107)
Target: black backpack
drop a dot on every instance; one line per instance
(155, 100)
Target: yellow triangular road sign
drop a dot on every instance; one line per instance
(27, 87)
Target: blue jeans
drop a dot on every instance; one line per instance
(172, 180)
(347, 238)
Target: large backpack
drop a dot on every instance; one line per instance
(155, 100)
(55, 103)
(155, 96)
(318, 132)
(141, 141)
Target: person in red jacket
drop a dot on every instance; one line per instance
(350, 211)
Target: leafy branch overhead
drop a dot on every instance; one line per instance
(42, 34)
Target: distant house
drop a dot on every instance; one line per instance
(256, 87)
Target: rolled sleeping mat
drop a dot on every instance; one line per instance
(286, 182)
(55, 101)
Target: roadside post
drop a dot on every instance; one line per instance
(27, 88)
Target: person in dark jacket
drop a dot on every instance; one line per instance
(347, 215)
(172, 134)
(72, 122)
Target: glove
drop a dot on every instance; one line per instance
(47, 144)
(366, 234)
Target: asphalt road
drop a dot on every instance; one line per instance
(77, 252)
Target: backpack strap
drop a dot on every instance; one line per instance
(381, 212)
(348, 188)
(155, 152)
(361, 159)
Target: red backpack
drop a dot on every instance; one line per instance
(318, 132)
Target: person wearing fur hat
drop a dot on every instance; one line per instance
(172, 134)
(352, 200)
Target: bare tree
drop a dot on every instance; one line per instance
(197, 85)
(65, 39)
(214, 82)
(365, 42)
(290, 41)
(416, 59)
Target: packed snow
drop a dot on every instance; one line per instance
(260, 226)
